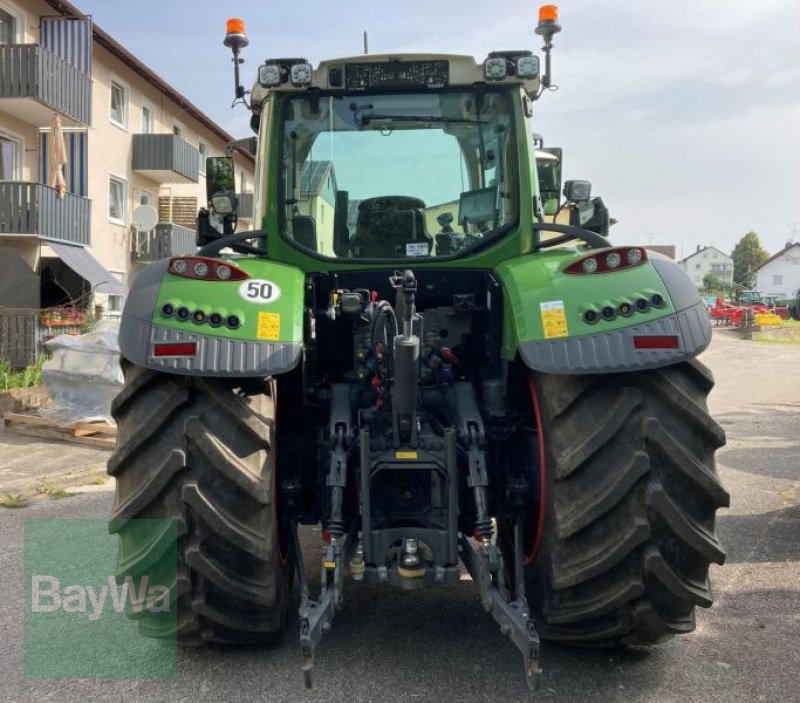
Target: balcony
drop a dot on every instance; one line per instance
(34, 82)
(245, 209)
(162, 242)
(35, 209)
(165, 158)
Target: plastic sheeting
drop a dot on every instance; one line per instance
(83, 376)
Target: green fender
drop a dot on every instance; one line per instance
(545, 314)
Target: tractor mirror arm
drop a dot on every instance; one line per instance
(232, 240)
(569, 232)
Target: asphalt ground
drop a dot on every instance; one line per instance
(438, 645)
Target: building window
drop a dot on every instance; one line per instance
(9, 158)
(147, 120)
(242, 181)
(8, 28)
(117, 189)
(697, 267)
(203, 149)
(145, 197)
(178, 129)
(119, 105)
(115, 303)
(777, 280)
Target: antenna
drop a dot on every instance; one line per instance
(366, 43)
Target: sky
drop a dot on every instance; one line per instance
(684, 115)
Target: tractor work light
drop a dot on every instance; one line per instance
(495, 69)
(269, 75)
(204, 269)
(300, 74)
(527, 66)
(609, 260)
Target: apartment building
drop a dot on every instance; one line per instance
(131, 140)
(708, 260)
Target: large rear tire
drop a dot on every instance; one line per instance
(200, 451)
(631, 497)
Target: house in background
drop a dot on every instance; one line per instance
(708, 260)
(780, 274)
(131, 140)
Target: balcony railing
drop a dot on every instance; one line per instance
(165, 158)
(162, 242)
(31, 71)
(34, 208)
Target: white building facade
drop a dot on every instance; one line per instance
(708, 260)
(780, 274)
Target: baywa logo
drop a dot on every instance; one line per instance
(100, 599)
(47, 597)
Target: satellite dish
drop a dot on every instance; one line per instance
(144, 218)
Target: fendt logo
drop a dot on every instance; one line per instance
(47, 597)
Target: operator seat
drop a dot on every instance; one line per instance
(386, 225)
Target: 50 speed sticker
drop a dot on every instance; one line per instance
(554, 319)
(259, 290)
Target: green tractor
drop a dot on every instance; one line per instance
(408, 354)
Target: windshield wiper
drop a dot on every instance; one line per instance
(362, 120)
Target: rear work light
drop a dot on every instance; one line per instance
(204, 269)
(655, 341)
(607, 260)
(175, 349)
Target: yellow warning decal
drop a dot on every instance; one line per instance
(405, 455)
(329, 564)
(554, 319)
(269, 326)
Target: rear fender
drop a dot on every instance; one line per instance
(268, 305)
(545, 323)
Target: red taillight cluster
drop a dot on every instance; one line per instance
(656, 341)
(204, 269)
(175, 349)
(608, 260)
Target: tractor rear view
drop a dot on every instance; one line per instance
(409, 355)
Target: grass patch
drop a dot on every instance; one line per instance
(51, 490)
(98, 480)
(11, 501)
(20, 378)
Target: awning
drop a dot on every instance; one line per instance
(86, 266)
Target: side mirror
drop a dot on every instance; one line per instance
(219, 182)
(591, 215)
(548, 172)
(578, 191)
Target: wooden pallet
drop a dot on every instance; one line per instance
(96, 434)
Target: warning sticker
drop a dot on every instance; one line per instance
(405, 455)
(269, 326)
(554, 319)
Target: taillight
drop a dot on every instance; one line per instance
(204, 269)
(175, 349)
(655, 341)
(607, 260)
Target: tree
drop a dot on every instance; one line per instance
(713, 284)
(748, 255)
